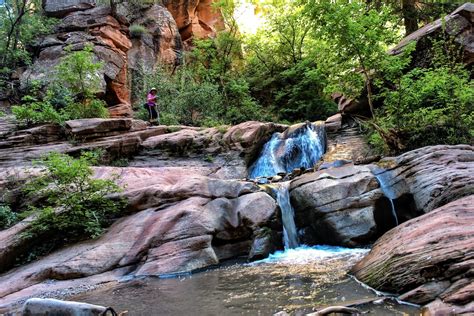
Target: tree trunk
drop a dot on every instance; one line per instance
(410, 16)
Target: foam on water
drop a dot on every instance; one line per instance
(306, 254)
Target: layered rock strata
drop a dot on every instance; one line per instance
(428, 259)
(84, 24)
(180, 221)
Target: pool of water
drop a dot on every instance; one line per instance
(297, 281)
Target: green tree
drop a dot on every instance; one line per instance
(72, 95)
(80, 73)
(357, 36)
(283, 65)
(21, 23)
(71, 202)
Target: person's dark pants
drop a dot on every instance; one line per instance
(153, 114)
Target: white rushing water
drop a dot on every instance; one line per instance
(306, 254)
(301, 149)
(290, 234)
(382, 180)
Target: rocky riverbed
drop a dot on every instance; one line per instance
(190, 206)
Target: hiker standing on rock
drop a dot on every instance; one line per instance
(152, 107)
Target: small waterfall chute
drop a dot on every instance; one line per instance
(290, 234)
(300, 147)
(389, 194)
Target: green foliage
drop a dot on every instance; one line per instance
(89, 109)
(70, 96)
(194, 98)
(35, 112)
(283, 66)
(430, 106)
(356, 36)
(21, 23)
(80, 73)
(7, 217)
(137, 30)
(72, 203)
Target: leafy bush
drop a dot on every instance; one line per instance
(137, 30)
(72, 202)
(7, 217)
(70, 96)
(430, 106)
(90, 109)
(34, 111)
(80, 73)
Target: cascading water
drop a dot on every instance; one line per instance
(382, 180)
(300, 147)
(284, 152)
(290, 235)
(294, 279)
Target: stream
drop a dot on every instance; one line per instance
(298, 280)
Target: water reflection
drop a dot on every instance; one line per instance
(297, 281)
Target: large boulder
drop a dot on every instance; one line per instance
(94, 26)
(337, 206)
(433, 175)
(59, 9)
(458, 25)
(354, 205)
(427, 258)
(179, 221)
(96, 127)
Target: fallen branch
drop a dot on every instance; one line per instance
(336, 309)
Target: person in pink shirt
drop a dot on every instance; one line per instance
(152, 107)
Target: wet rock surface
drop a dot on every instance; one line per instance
(336, 206)
(179, 221)
(427, 258)
(434, 175)
(186, 210)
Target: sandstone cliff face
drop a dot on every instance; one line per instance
(82, 23)
(126, 59)
(195, 18)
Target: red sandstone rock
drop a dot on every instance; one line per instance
(435, 247)
(80, 27)
(434, 175)
(178, 216)
(195, 18)
(249, 137)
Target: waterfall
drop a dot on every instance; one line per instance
(290, 235)
(301, 147)
(381, 179)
